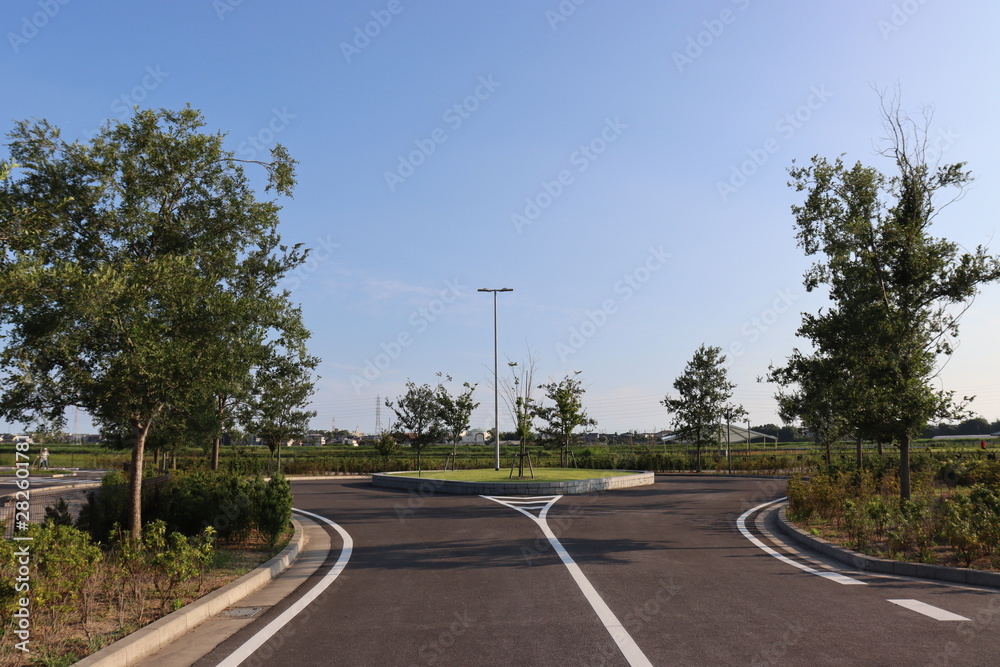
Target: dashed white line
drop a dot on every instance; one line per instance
(936, 613)
(269, 630)
(833, 576)
(633, 654)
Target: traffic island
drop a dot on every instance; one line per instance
(492, 483)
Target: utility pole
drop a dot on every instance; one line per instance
(496, 376)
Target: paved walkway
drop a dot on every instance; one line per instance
(197, 643)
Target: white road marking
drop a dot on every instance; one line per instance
(833, 576)
(269, 630)
(633, 654)
(936, 613)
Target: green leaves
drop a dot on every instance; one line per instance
(703, 390)
(896, 294)
(566, 414)
(139, 281)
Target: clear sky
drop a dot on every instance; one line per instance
(620, 165)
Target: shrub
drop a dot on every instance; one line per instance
(960, 527)
(192, 501)
(274, 509)
(106, 506)
(65, 558)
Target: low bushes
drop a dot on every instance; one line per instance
(232, 504)
(86, 592)
(960, 526)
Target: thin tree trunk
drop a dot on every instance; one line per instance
(139, 432)
(215, 452)
(904, 467)
(859, 455)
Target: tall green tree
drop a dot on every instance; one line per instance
(565, 415)
(733, 412)
(455, 411)
(121, 261)
(418, 417)
(815, 393)
(702, 392)
(276, 409)
(896, 292)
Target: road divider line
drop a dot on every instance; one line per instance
(247, 649)
(633, 654)
(833, 576)
(936, 613)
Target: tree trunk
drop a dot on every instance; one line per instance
(904, 467)
(215, 452)
(139, 431)
(859, 455)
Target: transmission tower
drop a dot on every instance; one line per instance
(378, 414)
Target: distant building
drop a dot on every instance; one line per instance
(476, 436)
(315, 439)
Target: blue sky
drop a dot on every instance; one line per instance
(621, 166)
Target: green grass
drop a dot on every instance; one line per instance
(503, 475)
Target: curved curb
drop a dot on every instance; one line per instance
(426, 485)
(865, 563)
(131, 649)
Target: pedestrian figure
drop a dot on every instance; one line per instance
(982, 444)
(43, 460)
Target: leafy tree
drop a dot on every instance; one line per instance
(813, 393)
(702, 392)
(276, 409)
(517, 395)
(419, 414)
(455, 412)
(731, 412)
(565, 415)
(386, 445)
(897, 293)
(122, 262)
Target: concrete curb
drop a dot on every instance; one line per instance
(427, 485)
(130, 650)
(865, 563)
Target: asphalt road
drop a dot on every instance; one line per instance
(464, 580)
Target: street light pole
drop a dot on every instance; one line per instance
(496, 376)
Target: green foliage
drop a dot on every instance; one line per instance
(190, 502)
(892, 288)
(273, 511)
(171, 560)
(64, 559)
(702, 392)
(454, 412)
(106, 506)
(418, 415)
(140, 279)
(59, 514)
(386, 445)
(565, 415)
